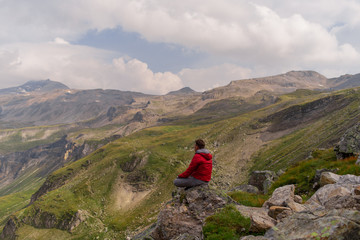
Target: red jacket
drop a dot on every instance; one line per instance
(200, 166)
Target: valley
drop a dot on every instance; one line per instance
(100, 163)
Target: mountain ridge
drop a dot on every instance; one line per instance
(155, 134)
(34, 86)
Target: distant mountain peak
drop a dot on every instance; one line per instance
(185, 90)
(34, 86)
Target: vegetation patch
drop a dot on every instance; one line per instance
(226, 224)
(302, 174)
(249, 199)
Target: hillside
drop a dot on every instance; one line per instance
(120, 188)
(250, 124)
(34, 86)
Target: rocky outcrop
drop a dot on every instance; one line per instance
(9, 231)
(43, 219)
(260, 219)
(333, 225)
(349, 144)
(186, 213)
(262, 180)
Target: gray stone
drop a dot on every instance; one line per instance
(358, 160)
(246, 188)
(262, 180)
(184, 216)
(328, 178)
(349, 144)
(278, 212)
(336, 224)
(298, 199)
(260, 219)
(325, 193)
(316, 179)
(281, 196)
(349, 179)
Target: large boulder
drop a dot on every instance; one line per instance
(281, 196)
(262, 180)
(328, 178)
(184, 216)
(349, 144)
(260, 219)
(333, 225)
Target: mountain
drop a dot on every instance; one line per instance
(34, 86)
(283, 83)
(116, 153)
(121, 186)
(345, 81)
(185, 90)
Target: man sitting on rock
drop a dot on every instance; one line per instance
(199, 170)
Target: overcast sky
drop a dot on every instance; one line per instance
(156, 46)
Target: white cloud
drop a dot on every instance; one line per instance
(259, 38)
(80, 67)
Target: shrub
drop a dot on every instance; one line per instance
(249, 199)
(226, 224)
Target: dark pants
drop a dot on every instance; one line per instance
(188, 182)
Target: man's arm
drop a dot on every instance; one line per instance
(192, 167)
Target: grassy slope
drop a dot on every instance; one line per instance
(324, 132)
(169, 149)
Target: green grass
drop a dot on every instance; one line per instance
(27, 232)
(226, 224)
(16, 201)
(302, 173)
(91, 181)
(249, 199)
(322, 133)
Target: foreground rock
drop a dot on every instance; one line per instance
(333, 225)
(349, 144)
(260, 219)
(262, 180)
(184, 216)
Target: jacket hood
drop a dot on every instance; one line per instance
(205, 153)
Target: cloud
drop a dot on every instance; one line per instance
(81, 67)
(239, 38)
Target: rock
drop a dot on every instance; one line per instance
(296, 207)
(281, 196)
(358, 160)
(278, 213)
(349, 179)
(261, 222)
(316, 179)
(262, 180)
(349, 144)
(357, 190)
(260, 219)
(9, 230)
(328, 178)
(324, 194)
(298, 199)
(186, 213)
(336, 224)
(246, 188)
(343, 202)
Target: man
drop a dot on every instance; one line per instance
(199, 170)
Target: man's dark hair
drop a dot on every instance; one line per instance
(200, 143)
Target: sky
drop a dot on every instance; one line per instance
(157, 46)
